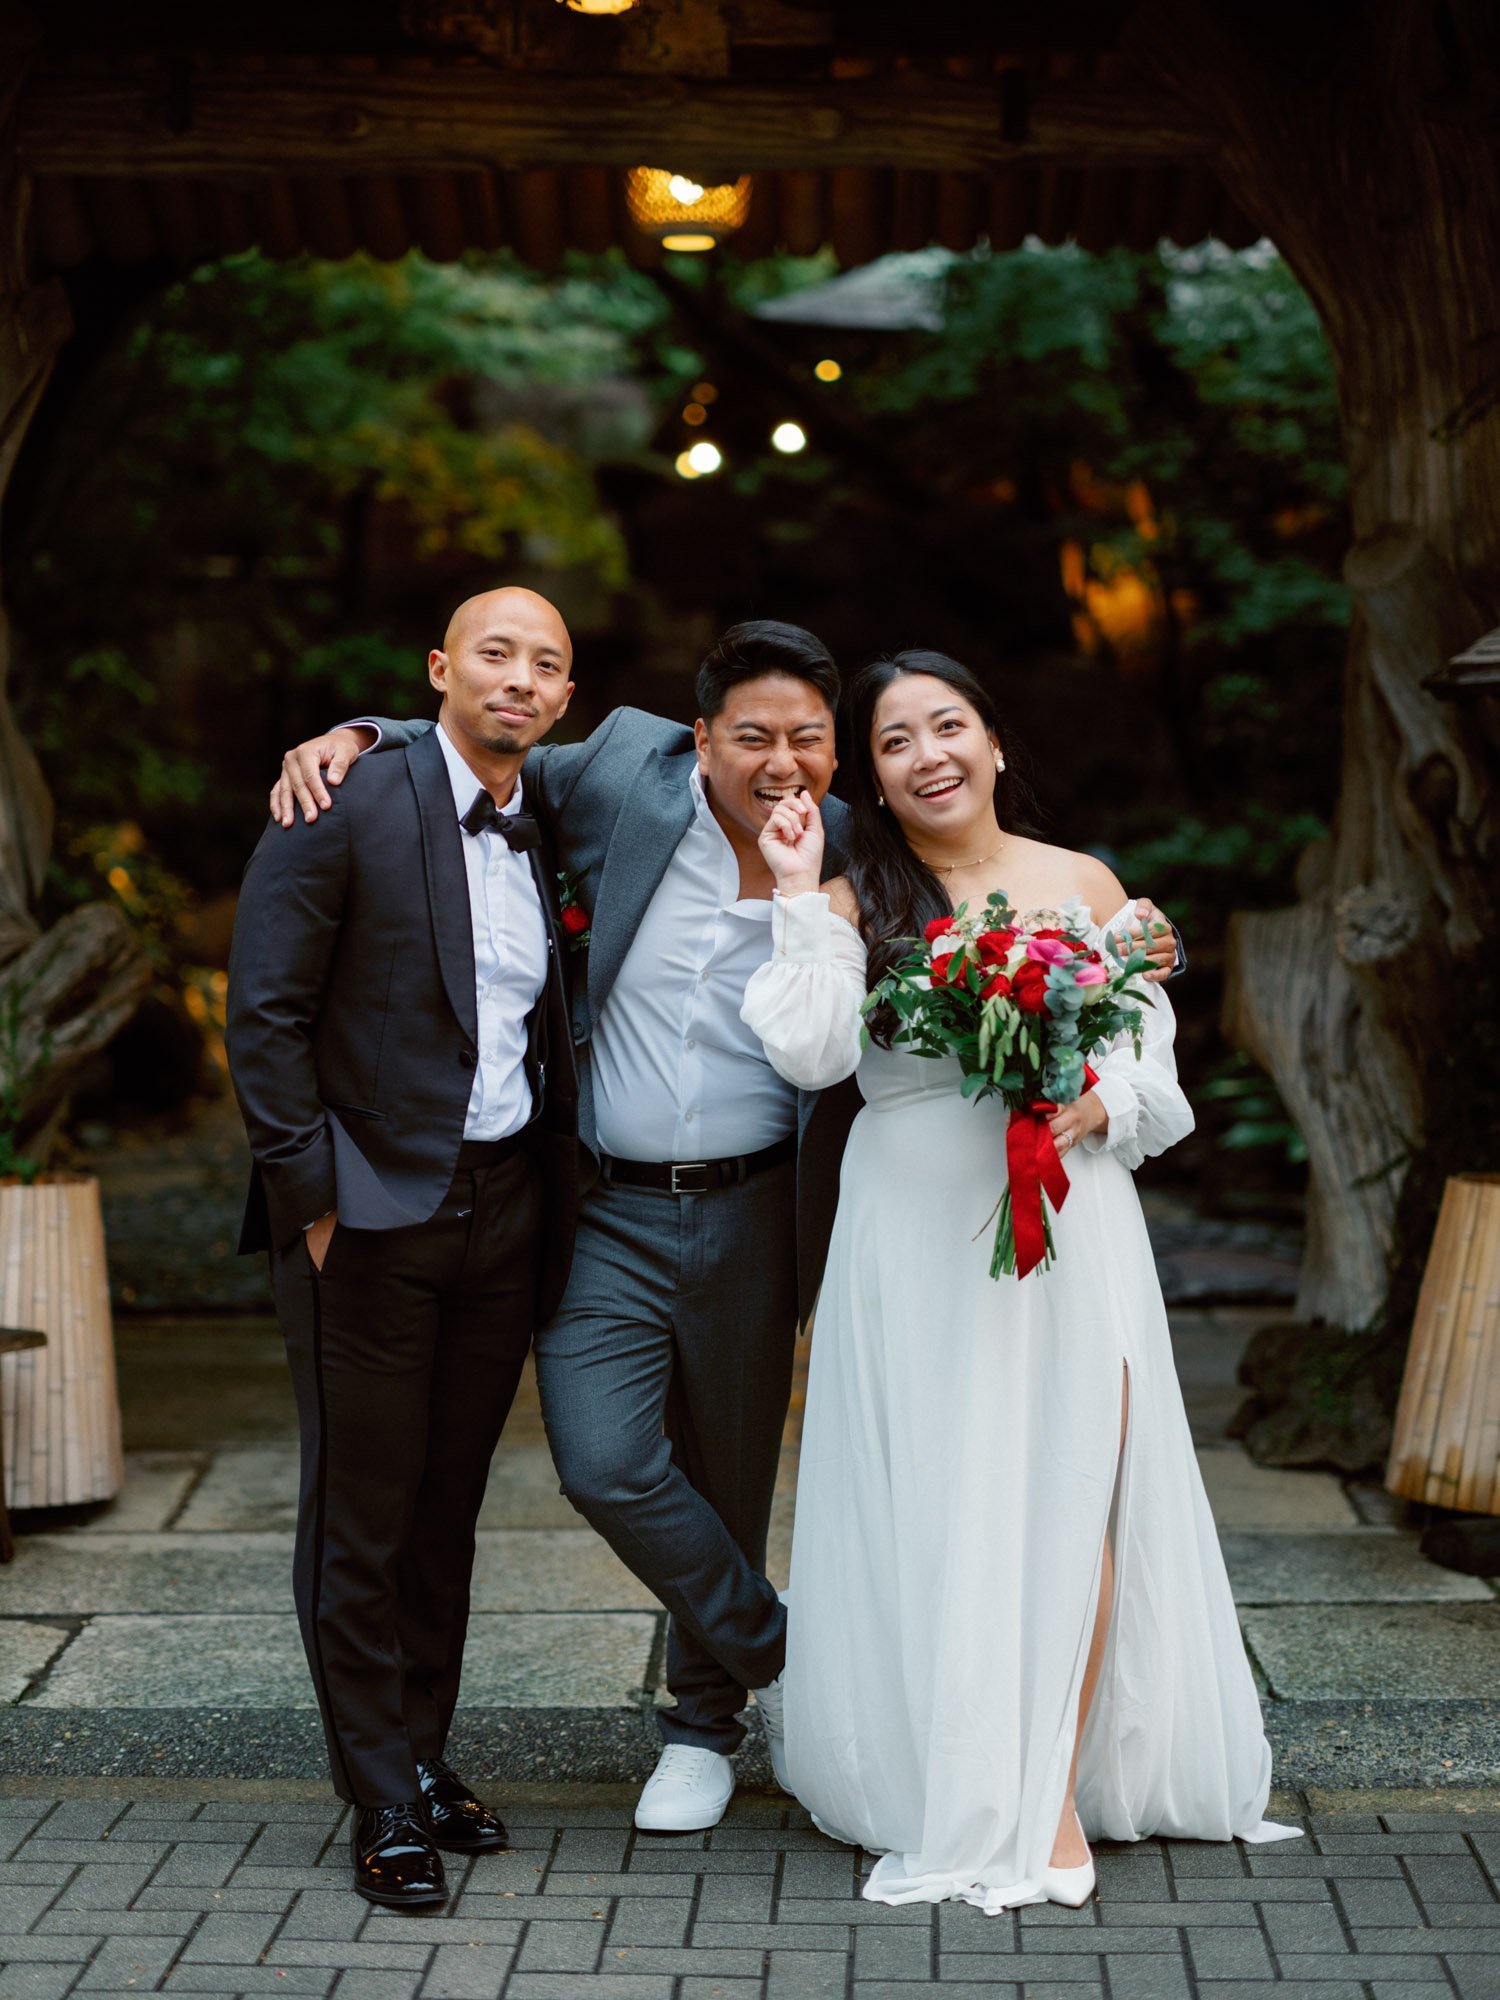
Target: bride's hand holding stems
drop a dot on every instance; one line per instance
(792, 843)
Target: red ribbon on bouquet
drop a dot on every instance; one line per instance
(1035, 1167)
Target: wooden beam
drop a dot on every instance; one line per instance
(234, 122)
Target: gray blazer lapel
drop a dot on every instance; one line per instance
(447, 881)
(656, 814)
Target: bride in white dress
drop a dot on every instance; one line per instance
(1007, 1595)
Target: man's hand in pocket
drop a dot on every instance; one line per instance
(319, 1236)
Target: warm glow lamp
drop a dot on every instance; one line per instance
(789, 437)
(684, 214)
(598, 6)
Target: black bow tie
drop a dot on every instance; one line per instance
(518, 830)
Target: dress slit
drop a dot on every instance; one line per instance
(1111, 1545)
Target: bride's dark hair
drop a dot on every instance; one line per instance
(897, 893)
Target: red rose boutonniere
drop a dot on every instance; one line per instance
(573, 918)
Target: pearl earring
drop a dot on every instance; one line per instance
(999, 764)
(880, 798)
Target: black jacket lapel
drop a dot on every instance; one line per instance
(554, 1046)
(447, 882)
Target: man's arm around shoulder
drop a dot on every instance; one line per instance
(552, 770)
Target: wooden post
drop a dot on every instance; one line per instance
(81, 981)
(1368, 158)
(34, 323)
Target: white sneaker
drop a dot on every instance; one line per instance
(771, 1701)
(687, 1791)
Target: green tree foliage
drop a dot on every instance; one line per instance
(249, 516)
(214, 528)
(1173, 416)
(1203, 374)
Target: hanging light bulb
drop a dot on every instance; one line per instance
(704, 457)
(685, 466)
(789, 437)
(828, 371)
(683, 214)
(598, 6)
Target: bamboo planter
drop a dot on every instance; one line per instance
(59, 1407)
(1446, 1446)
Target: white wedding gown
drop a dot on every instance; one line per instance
(958, 1478)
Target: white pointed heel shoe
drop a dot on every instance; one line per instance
(1071, 1887)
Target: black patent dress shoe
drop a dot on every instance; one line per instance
(460, 1823)
(395, 1861)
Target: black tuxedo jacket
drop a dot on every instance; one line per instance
(352, 1019)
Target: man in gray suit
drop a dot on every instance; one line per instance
(709, 1182)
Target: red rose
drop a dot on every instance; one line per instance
(939, 927)
(995, 988)
(938, 975)
(1029, 988)
(1064, 935)
(993, 946)
(575, 920)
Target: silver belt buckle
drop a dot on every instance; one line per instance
(680, 1167)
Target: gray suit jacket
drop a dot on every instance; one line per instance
(617, 805)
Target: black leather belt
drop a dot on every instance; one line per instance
(489, 1152)
(696, 1176)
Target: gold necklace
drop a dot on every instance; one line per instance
(952, 867)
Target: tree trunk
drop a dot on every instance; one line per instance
(79, 983)
(1363, 143)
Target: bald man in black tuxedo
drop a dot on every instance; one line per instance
(399, 1041)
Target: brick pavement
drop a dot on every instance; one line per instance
(238, 1893)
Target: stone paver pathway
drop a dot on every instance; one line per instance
(158, 1636)
(244, 1894)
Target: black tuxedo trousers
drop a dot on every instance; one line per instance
(405, 1354)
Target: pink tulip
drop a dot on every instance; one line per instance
(1090, 975)
(1049, 951)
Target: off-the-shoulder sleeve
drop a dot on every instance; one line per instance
(804, 1002)
(1147, 1109)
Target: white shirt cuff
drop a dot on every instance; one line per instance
(800, 928)
(364, 722)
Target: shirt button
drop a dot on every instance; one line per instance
(692, 1044)
(687, 1117)
(702, 978)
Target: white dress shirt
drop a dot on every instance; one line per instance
(510, 960)
(677, 1074)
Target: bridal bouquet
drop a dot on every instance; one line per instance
(1021, 1002)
